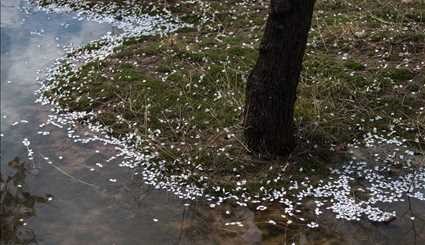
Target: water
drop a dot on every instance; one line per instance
(87, 207)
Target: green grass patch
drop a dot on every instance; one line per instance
(188, 88)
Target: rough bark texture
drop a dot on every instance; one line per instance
(272, 84)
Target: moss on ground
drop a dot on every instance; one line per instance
(364, 72)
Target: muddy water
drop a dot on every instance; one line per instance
(87, 207)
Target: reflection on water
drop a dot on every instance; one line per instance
(17, 206)
(88, 207)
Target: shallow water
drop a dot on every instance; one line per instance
(87, 208)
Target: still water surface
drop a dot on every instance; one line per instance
(86, 208)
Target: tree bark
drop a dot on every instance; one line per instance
(272, 84)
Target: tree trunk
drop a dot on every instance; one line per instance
(272, 84)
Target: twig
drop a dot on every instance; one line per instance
(70, 176)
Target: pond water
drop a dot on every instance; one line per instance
(97, 202)
(86, 208)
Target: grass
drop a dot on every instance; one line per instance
(183, 94)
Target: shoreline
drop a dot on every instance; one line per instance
(167, 72)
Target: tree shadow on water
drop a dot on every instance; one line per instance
(17, 205)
